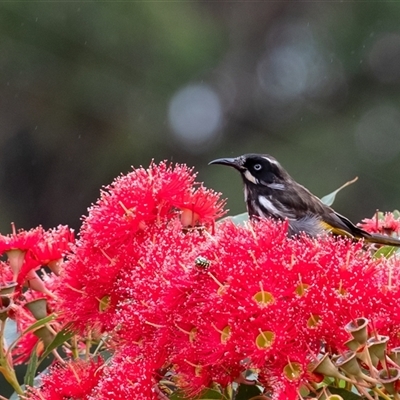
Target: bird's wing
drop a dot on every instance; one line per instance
(308, 210)
(340, 225)
(305, 204)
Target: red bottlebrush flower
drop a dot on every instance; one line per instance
(85, 288)
(261, 297)
(220, 331)
(29, 250)
(128, 241)
(339, 282)
(387, 322)
(201, 206)
(286, 376)
(383, 223)
(128, 289)
(54, 246)
(28, 276)
(6, 275)
(135, 200)
(74, 380)
(132, 374)
(17, 244)
(23, 240)
(22, 352)
(143, 289)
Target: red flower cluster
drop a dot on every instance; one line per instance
(134, 228)
(267, 302)
(27, 251)
(171, 291)
(73, 380)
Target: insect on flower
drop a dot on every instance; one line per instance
(202, 262)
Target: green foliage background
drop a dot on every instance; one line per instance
(86, 89)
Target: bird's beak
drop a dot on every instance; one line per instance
(230, 162)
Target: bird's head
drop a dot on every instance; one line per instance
(259, 169)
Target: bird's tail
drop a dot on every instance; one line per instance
(382, 239)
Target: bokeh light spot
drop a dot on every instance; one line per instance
(283, 73)
(195, 116)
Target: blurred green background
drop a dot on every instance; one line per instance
(89, 89)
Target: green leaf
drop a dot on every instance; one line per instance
(178, 396)
(396, 214)
(33, 327)
(32, 366)
(246, 392)
(330, 198)
(239, 219)
(385, 251)
(346, 394)
(11, 333)
(61, 337)
(106, 354)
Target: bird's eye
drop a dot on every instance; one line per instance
(257, 167)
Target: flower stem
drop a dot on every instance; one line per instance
(5, 368)
(380, 393)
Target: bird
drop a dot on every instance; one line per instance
(270, 192)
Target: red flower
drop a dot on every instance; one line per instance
(22, 352)
(74, 380)
(23, 240)
(27, 251)
(131, 375)
(6, 274)
(129, 240)
(211, 304)
(17, 244)
(384, 223)
(86, 286)
(201, 207)
(127, 290)
(134, 201)
(387, 322)
(54, 246)
(261, 297)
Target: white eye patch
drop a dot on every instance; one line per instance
(247, 174)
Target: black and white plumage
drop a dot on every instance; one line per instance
(271, 192)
